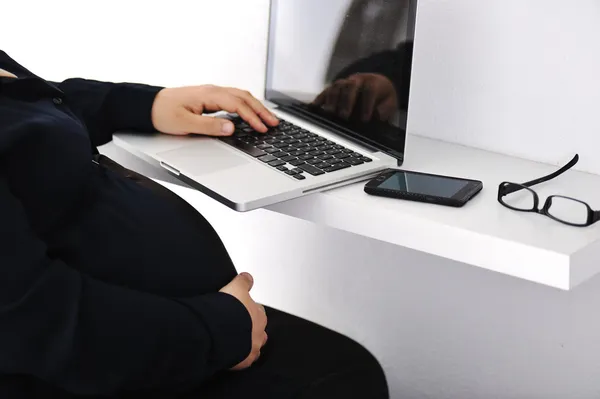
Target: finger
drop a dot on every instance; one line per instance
(387, 108)
(348, 99)
(369, 98)
(320, 100)
(261, 319)
(333, 96)
(257, 106)
(266, 339)
(225, 100)
(247, 280)
(208, 125)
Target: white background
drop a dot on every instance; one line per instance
(514, 76)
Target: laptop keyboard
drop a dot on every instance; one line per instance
(293, 150)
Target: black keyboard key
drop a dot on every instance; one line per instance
(338, 147)
(301, 145)
(314, 161)
(263, 146)
(272, 141)
(335, 167)
(297, 153)
(333, 152)
(288, 158)
(316, 153)
(282, 168)
(309, 134)
(299, 136)
(280, 154)
(296, 162)
(354, 161)
(311, 169)
(324, 148)
(320, 139)
(267, 158)
(248, 139)
(281, 145)
(299, 177)
(298, 170)
(271, 150)
(276, 163)
(325, 157)
(248, 149)
(347, 151)
(342, 156)
(356, 155)
(365, 159)
(322, 165)
(309, 140)
(306, 157)
(334, 161)
(248, 130)
(291, 141)
(291, 172)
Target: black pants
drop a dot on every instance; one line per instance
(300, 360)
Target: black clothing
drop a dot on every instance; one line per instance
(104, 285)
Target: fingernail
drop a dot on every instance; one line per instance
(227, 128)
(248, 276)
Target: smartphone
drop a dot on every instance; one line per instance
(424, 187)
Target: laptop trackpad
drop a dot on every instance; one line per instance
(199, 158)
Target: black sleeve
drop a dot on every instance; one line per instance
(394, 64)
(93, 338)
(108, 107)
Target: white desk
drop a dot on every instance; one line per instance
(483, 233)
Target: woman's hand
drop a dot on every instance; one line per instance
(179, 110)
(240, 288)
(369, 96)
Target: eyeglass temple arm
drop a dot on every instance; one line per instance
(596, 216)
(572, 162)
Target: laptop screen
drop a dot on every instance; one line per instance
(344, 64)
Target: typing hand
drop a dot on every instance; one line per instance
(367, 96)
(179, 110)
(240, 288)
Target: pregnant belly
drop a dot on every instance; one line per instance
(134, 237)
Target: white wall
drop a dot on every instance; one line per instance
(497, 74)
(513, 76)
(187, 42)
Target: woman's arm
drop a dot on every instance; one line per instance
(93, 338)
(108, 107)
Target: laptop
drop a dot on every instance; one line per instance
(338, 77)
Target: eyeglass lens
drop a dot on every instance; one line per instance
(523, 199)
(568, 210)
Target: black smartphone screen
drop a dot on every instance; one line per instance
(438, 186)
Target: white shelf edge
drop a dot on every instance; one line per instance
(511, 258)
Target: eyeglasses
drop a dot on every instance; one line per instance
(570, 211)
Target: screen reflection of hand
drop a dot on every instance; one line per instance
(367, 96)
